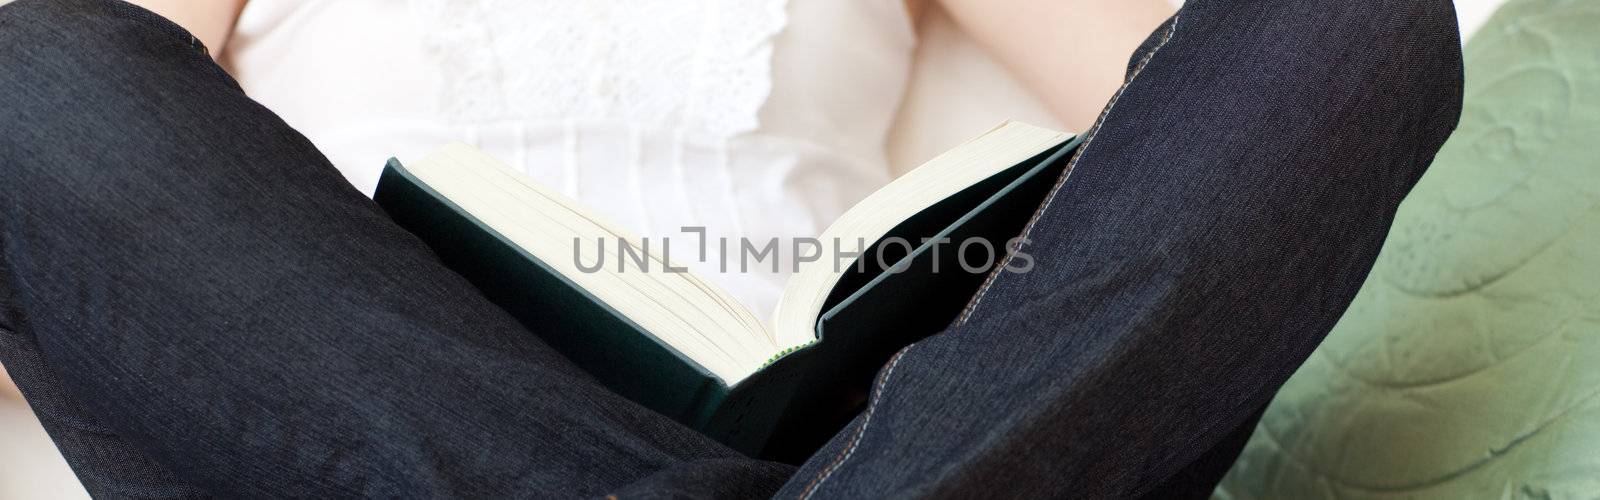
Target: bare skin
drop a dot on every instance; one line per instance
(1071, 53)
(8, 390)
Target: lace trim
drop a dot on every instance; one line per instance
(703, 67)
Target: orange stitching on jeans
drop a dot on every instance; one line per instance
(1094, 131)
(855, 439)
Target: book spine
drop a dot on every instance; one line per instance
(748, 416)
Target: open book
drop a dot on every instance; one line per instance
(658, 334)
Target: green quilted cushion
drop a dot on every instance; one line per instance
(1469, 364)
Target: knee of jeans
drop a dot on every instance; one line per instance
(44, 38)
(87, 72)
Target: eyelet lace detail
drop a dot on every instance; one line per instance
(700, 67)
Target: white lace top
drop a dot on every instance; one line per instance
(757, 119)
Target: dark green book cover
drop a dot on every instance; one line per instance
(792, 406)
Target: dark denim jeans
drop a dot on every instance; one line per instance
(196, 303)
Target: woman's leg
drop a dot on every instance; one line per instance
(197, 303)
(1216, 223)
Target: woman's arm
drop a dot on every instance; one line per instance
(209, 20)
(1072, 53)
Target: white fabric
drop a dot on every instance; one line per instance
(756, 119)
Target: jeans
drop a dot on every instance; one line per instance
(197, 304)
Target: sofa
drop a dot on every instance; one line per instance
(1469, 364)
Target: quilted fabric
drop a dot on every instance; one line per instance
(1469, 365)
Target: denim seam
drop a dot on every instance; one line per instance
(1094, 132)
(855, 439)
(173, 31)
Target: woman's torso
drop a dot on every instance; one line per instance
(758, 120)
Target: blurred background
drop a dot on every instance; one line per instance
(958, 91)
